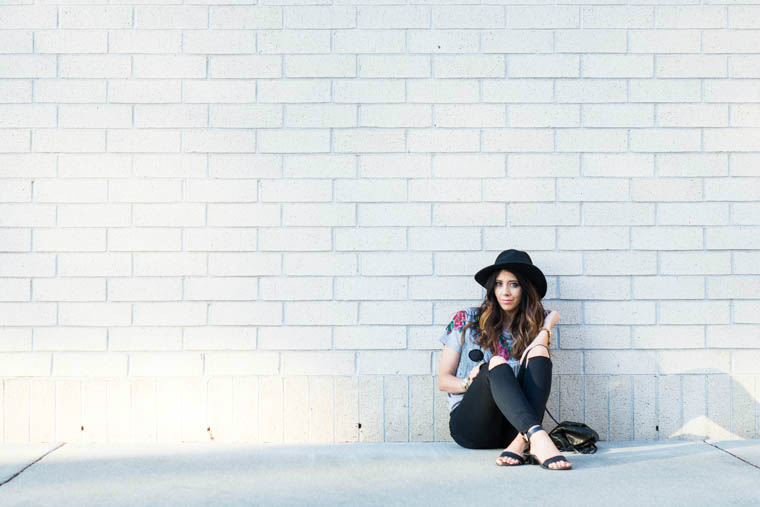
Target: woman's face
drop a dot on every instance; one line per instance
(508, 291)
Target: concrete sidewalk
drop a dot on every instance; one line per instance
(666, 473)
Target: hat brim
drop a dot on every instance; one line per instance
(532, 272)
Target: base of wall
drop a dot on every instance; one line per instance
(371, 408)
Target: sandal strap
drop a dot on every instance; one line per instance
(555, 459)
(532, 431)
(510, 454)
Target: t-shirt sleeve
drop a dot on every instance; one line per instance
(452, 335)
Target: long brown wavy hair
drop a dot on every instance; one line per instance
(490, 318)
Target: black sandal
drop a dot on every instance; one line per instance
(533, 460)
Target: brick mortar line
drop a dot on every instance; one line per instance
(30, 464)
(732, 454)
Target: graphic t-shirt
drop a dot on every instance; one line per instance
(452, 337)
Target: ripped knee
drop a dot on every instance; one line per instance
(496, 361)
(538, 352)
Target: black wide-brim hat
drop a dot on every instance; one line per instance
(515, 260)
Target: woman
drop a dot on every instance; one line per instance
(500, 400)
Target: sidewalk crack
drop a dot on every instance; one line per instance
(9, 479)
(732, 454)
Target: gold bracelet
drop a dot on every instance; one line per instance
(549, 332)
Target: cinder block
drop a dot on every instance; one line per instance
(270, 409)
(318, 363)
(246, 409)
(143, 410)
(394, 214)
(94, 410)
(95, 16)
(170, 314)
(596, 392)
(542, 17)
(230, 288)
(143, 41)
(370, 288)
(219, 239)
(317, 263)
(145, 289)
(719, 407)
(70, 338)
(695, 312)
(645, 424)
(17, 421)
(669, 337)
(317, 214)
(660, 41)
(242, 363)
(744, 404)
(69, 289)
(729, 336)
(194, 410)
(693, 361)
(669, 405)
(25, 364)
(537, 115)
(161, 364)
(295, 338)
(119, 423)
(320, 17)
(171, 16)
(621, 407)
(245, 17)
(321, 409)
(421, 424)
(347, 421)
(694, 404)
(392, 312)
(68, 410)
(41, 409)
(396, 408)
(211, 338)
(169, 409)
(296, 409)
(15, 340)
(570, 398)
(606, 16)
(441, 417)
(633, 312)
(369, 337)
(245, 313)
(294, 41)
(321, 312)
(371, 414)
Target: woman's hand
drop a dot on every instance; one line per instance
(475, 370)
(551, 319)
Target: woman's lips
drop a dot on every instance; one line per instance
(507, 300)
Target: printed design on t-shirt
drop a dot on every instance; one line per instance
(504, 347)
(457, 322)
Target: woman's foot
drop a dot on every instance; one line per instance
(517, 446)
(543, 448)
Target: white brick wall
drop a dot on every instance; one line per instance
(251, 222)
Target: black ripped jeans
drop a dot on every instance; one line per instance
(497, 405)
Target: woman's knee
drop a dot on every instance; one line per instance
(496, 361)
(538, 352)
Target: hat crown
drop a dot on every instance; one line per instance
(512, 255)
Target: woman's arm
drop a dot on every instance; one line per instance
(447, 380)
(543, 337)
